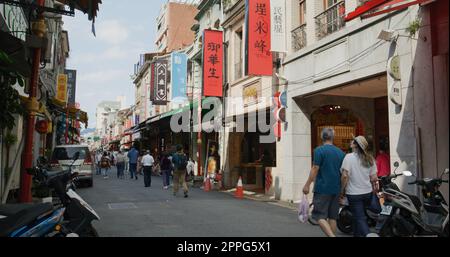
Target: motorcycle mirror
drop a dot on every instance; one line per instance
(446, 171)
(396, 164)
(407, 173)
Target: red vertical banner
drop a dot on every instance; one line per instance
(212, 63)
(259, 56)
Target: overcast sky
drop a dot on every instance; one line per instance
(104, 63)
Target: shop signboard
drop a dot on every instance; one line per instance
(160, 80)
(61, 88)
(278, 25)
(259, 60)
(212, 63)
(71, 85)
(179, 76)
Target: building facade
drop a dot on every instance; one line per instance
(342, 75)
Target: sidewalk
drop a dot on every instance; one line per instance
(263, 198)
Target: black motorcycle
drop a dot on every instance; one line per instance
(405, 215)
(345, 218)
(78, 214)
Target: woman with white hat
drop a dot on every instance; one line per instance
(358, 181)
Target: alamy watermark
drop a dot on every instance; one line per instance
(213, 118)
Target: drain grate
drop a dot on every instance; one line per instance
(121, 206)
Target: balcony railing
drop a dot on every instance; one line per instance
(299, 37)
(331, 20)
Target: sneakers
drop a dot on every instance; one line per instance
(185, 195)
(165, 187)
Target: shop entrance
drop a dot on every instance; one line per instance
(359, 108)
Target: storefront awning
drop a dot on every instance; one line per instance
(16, 53)
(90, 7)
(191, 106)
(378, 7)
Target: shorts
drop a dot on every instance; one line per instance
(325, 207)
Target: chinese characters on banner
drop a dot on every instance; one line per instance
(258, 46)
(179, 76)
(278, 25)
(61, 88)
(212, 63)
(160, 79)
(71, 86)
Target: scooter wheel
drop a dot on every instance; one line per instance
(90, 231)
(344, 222)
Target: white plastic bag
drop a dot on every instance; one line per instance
(303, 210)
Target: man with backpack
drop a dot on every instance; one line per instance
(179, 176)
(105, 165)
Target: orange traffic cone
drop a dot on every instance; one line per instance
(207, 184)
(239, 189)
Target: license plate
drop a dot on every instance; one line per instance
(386, 210)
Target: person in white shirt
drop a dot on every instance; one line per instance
(359, 182)
(98, 159)
(147, 163)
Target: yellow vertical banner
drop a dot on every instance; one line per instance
(61, 88)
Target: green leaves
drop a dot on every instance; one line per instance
(10, 104)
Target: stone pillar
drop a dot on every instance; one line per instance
(295, 153)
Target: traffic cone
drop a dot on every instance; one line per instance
(207, 184)
(239, 189)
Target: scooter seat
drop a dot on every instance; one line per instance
(12, 209)
(22, 218)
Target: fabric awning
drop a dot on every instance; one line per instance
(377, 7)
(90, 7)
(17, 53)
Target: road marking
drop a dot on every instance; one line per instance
(121, 206)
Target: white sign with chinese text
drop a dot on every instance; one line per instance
(278, 25)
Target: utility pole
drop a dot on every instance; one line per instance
(39, 29)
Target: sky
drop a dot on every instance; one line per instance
(105, 63)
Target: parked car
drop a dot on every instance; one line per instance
(63, 156)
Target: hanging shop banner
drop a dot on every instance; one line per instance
(160, 90)
(61, 88)
(278, 25)
(71, 85)
(212, 63)
(179, 76)
(258, 45)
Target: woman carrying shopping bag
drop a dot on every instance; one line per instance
(359, 183)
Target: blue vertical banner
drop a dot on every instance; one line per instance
(179, 76)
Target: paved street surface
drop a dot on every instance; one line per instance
(128, 209)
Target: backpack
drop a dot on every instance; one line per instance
(181, 161)
(104, 163)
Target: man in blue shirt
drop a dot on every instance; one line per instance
(133, 155)
(327, 177)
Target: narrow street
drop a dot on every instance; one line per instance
(128, 209)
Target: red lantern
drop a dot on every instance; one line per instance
(42, 126)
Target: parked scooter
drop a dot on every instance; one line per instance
(78, 214)
(404, 215)
(345, 218)
(32, 220)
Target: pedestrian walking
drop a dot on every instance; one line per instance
(383, 161)
(147, 164)
(327, 177)
(180, 161)
(139, 170)
(359, 180)
(98, 159)
(133, 156)
(120, 164)
(105, 164)
(166, 169)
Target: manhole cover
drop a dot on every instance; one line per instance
(122, 206)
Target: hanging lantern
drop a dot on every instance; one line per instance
(42, 126)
